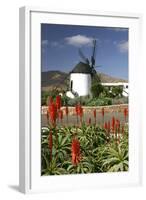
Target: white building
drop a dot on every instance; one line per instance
(122, 84)
(80, 80)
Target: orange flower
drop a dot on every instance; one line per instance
(117, 125)
(58, 102)
(76, 109)
(89, 121)
(125, 113)
(75, 151)
(52, 113)
(79, 110)
(106, 126)
(102, 111)
(66, 110)
(60, 114)
(50, 100)
(113, 124)
(94, 113)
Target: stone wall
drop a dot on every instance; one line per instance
(89, 109)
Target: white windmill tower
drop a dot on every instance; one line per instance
(81, 75)
(80, 79)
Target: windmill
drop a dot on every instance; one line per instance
(82, 75)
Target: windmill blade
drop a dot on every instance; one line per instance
(83, 56)
(94, 48)
(93, 53)
(93, 70)
(96, 76)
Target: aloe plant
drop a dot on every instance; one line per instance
(97, 153)
(115, 159)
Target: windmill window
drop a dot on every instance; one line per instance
(71, 85)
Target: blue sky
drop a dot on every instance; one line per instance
(60, 45)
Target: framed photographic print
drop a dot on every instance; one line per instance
(79, 104)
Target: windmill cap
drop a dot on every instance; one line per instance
(82, 68)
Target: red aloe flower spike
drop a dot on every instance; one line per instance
(58, 102)
(108, 130)
(117, 125)
(94, 113)
(53, 113)
(60, 115)
(50, 143)
(50, 101)
(80, 112)
(106, 126)
(76, 110)
(102, 111)
(75, 151)
(66, 110)
(89, 121)
(125, 113)
(113, 124)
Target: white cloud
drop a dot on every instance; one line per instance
(79, 40)
(54, 44)
(122, 46)
(45, 42)
(57, 44)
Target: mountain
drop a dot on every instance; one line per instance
(51, 79)
(58, 79)
(109, 79)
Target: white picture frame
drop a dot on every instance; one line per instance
(30, 177)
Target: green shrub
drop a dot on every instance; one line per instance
(65, 100)
(96, 89)
(112, 92)
(117, 91)
(99, 102)
(44, 97)
(82, 100)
